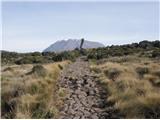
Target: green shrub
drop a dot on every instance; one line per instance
(67, 55)
(25, 60)
(156, 53)
(36, 54)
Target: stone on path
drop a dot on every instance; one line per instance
(86, 98)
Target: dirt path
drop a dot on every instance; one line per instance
(86, 98)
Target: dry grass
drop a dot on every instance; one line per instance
(31, 95)
(133, 86)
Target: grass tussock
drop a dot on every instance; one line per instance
(31, 92)
(133, 86)
(39, 71)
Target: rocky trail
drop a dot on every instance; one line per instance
(86, 99)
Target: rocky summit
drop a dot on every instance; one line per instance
(71, 44)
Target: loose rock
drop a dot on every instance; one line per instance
(87, 99)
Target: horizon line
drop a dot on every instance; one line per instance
(79, 39)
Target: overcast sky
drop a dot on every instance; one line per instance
(33, 26)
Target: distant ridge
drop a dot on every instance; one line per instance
(71, 44)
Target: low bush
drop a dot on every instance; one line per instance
(67, 55)
(156, 53)
(31, 60)
(144, 48)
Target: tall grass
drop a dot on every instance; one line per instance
(133, 86)
(32, 95)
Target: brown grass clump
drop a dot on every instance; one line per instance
(157, 73)
(133, 86)
(33, 95)
(95, 69)
(141, 71)
(112, 73)
(8, 69)
(39, 71)
(141, 107)
(153, 79)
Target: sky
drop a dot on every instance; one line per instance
(33, 26)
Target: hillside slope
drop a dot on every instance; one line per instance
(71, 44)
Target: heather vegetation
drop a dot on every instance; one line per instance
(37, 57)
(144, 48)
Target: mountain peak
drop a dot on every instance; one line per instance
(71, 44)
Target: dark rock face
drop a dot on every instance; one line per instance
(86, 99)
(71, 44)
